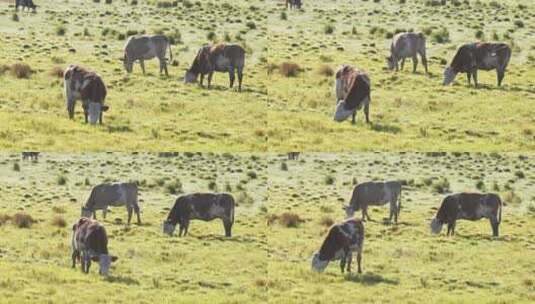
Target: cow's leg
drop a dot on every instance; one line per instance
(424, 61)
(449, 229)
(402, 64)
(104, 211)
(136, 209)
(74, 257)
(363, 215)
(500, 75)
(186, 226)
(343, 262)
(367, 215)
(367, 111)
(469, 76)
(164, 62)
(202, 79)
(85, 106)
(129, 209)
(359, 259)
(240, 77)
(453, 229)
(142, 63)
(349, 260)
(161, 66)
(474, 74)
(494, 224)
(228, 227)
(181, 230)
(94, 214)
(354, 119)
(414, 63)
(210, 78)
(231, 75)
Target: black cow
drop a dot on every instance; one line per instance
(293, 4)
(352, 93)
(25, 4)
(200, 206)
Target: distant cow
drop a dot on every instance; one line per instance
(293, 155)
(144, 48)
(375, 193)
(341, 241)
(200, 206)
(407, 45)
(116, 194)
(293, 4)
(468, 206)
(218, 58)
(25, 4)
(90, 243)
(87, 86)
(30, 155)
(352, 93)
(478, 56)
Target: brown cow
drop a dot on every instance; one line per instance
(478, 56)
(341, 241)
(90, 243)
(468, 206)
(352, 93)
(87, 86)
(217, 58)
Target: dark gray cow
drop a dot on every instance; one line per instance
(81, 84)
(217, 58)
(293, 155)
(90, 243)
(375, 194)
(293, 4)
(116, 194)
(468, 206)
(478, 56)
(407, 45)
(200, 206)
(144, 48)
(342, 240)
(352, 88)
(25, 4)
(34, 156)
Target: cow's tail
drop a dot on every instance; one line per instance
(500, 212)
(399, 203)
(232, 210)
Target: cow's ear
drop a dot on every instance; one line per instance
(95, 258)
(114, 258)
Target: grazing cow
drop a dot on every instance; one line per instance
(219, 58)
(375, 193)
(407, 45)
(116, 194)
(478, 56)
(81, 84)
(200, 206)
(25, 4)
(468, 206)
(90, 243)
(293, 155)
(341, 241)
(144, 48)
(293, 4)
(352, 93)
(30, 155)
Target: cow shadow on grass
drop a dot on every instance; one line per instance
(370, 279)
(237, 239)
(121, 280)
(379, 127)
(226, 88)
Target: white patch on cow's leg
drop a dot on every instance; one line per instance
(339, 89)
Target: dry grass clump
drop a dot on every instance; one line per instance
(4, 218)
(325, 70)
(326, 221)
(56, 72)
(22, 220)
(287, 219)
(20, 70)
(59, 221)
(289, 69)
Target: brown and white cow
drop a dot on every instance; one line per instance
(90, 243)
(293, 4)
(200, 206)
(342, 240)
(468, 206)
(378, 194)
(407, 45)
(146, 47)
(25, 4)
(352, 88)
(34, 156)
(478, 56)
(217, 58)
(293, 155)
(87, 86)
(112, 194)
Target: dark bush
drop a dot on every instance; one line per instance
(22, 220)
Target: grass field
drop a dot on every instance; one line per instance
(203, 267)
(408, 111)
(403, 263)
(149, 112)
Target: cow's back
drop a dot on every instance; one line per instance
(90, 235)
(407, 44)
(369, 193)
(145, 46)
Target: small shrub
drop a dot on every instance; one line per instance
(329, 180)
(290, 220)
(252, 174)
(251, 25)
(61, 180)
(211, 36)
(480, 34)
(519, 23)
(228, 187)
(326, 221)
(520, 174)
(59, 210)
(289, 69)
(15, 17)
(4, 218)
(441, 36)
(59, 221)
(284, 166)
(22, 220)
(21, 70)
(16, 167)
(328, 29)
(480, 185)
(441, 185)
(174, 187)
(212, 185)
(244, 199)
(56, 72)
(326, 70)
(108, 1)
(61, 30)
(283, 16)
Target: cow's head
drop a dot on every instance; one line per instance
(449, 76)
(128, 65)
(390, 63)
(318, 264)
(104, 261)
(168, 227)
(436, 226)
(94, 110)
(350, 211)
(190, 76)
(86, 212)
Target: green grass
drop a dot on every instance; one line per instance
(402, 263)
(408, 111)
(202, 267)
(149, 112)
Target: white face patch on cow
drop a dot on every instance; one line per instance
(94, 110)
(449, 76)
(349, 211)
(340, 113)
(317, 264)
(339, 89)
(104, 263)
(86, 212)
(436, 226)
(190, 77)
(168, 228)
